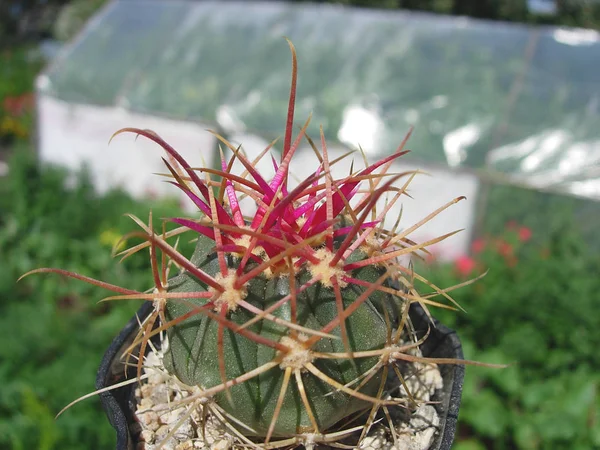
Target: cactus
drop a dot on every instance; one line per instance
(290, 320)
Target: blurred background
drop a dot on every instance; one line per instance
(504, 98)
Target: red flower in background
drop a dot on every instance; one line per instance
(151, 193)
(478, 245)
(430, 258)
(511, 261)
(465, 265)
(17, 105)
(504, 248)
(524, 234)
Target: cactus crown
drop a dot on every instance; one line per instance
(288, 321)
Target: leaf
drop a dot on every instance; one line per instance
(525, 433)
(469, 444)
(485, 411)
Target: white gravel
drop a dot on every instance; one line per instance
(157, 414)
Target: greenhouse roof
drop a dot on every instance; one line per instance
(515, 100)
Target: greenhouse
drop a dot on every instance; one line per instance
(508, 102)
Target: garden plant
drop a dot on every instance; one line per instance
(291, 322)
(549, 398)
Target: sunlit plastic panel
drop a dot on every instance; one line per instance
(482, 95)
(74, 135)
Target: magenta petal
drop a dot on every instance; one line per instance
(320, 215)
(238, 218)
(234, 204)
(346, 230)
(286, 202)
(197, 201)
(284, 190)
(154, 137)
(381, 162)
(206, 231)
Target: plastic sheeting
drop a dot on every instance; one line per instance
(519, 101)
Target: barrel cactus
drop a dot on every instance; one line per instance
(290, 320)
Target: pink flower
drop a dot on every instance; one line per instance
(524, 234)
(511, 225)
(464, 265)
(504, 248)
(478, 246)
(151, 193)
(17, 105)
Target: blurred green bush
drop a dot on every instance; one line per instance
(576, 13)
(17, 72)
(535, 308)
(53, 333)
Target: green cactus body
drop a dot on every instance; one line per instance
(193, 347)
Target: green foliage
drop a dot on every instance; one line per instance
(552, 214)
(576, 13)
(17, 71)
(18, 68)
(73, 16)
(22, 20)
(52, 331)
(535, 308)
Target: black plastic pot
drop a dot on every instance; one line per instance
(442, 343)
